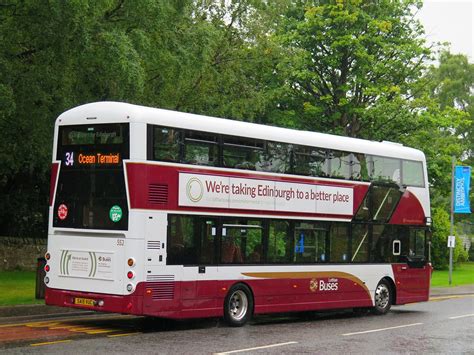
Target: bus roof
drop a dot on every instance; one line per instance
(108, 112)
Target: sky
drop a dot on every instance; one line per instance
(450, 21)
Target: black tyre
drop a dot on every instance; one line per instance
(238, 305)
(383, 298)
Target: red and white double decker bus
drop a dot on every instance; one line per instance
(169, 214)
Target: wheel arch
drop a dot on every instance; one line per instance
(391, 283)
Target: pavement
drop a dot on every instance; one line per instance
(452, 291)
(38, 311)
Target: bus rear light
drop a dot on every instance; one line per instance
(130, 275)
(46, 268)
(47, 256)
(130, 287)
(100, 303)
(131, 262)
(46, 280)
(148, 291)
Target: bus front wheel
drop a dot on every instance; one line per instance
(382, 298)
(238, 305)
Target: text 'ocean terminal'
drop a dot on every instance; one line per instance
(242, 193)
(99, 158)
(91, 158)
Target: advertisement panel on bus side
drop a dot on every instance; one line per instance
(197, 190)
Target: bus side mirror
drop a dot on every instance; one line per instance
(396, 247)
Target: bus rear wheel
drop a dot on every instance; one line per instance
(238, 305)
(382, 298)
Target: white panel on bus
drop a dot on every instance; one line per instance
(137, 145)
(155, 239)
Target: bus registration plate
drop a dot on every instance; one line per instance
(84, 301)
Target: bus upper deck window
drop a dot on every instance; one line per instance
(166, 144)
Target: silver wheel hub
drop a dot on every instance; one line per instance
(238, 305)
(382, 296)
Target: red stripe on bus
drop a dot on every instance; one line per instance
(141, 176)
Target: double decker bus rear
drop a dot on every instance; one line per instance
(92, 255)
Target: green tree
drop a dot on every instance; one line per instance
(349, 61)
(439, 242)
(218, 63)
(451, 84)
(198, 56)
(56, 55)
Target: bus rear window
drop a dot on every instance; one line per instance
(91, 191)
(93, 134)
(98, 145)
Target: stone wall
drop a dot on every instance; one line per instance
(20, 253)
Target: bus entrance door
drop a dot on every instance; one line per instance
(413, 274)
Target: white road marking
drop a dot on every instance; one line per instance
(464, 316)
(257, 348)
(382, 329)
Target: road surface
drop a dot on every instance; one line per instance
(443, 325)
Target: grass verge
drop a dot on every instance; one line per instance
(462, 275)
(18, 287)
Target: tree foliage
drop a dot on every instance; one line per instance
(451, 85)
(348, 61)
(439, 242)
(196, 56)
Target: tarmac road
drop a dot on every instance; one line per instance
(443, 325)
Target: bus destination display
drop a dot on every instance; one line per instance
(72, 159)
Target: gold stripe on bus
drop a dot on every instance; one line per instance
(308, 275)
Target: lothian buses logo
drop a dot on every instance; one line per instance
(194, 189)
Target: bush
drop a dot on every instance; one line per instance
(439, 239)
(461, 254)
(439, 242)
